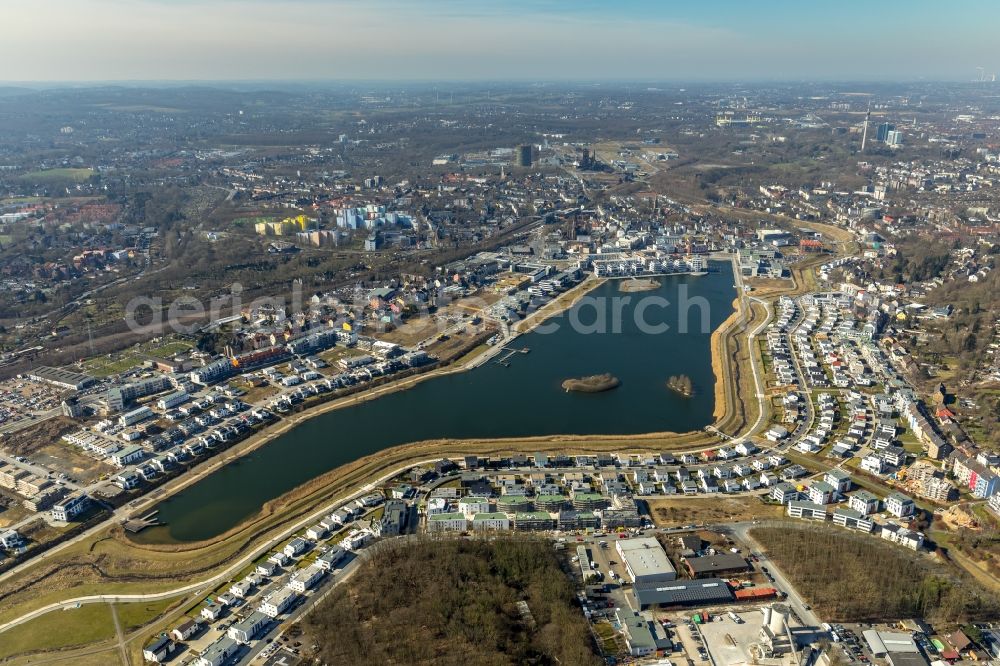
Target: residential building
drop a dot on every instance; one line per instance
(158, 649)
(994, 503)
(821, 492)
(393, 519)
(872, 464)
(839, 479)
(494, 520)
(296, 547)
(851, 519)
(899, 505)
(69, 508)
(212, 612)
(864, 502)
(186, 630)
(306, 578)
(903, 536)
(278, 603)
(806, 510)
(126, 456)
(247, 629)
(447, 522)
(331, 558)
(533, 521)
(218, 653)
(784, 492)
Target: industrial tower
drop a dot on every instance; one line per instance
(864, 132)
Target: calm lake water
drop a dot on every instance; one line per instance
(491, 401)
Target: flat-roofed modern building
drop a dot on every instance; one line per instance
(852, 520)
(713, 566)
(645, 560)
(806, 510)
(247, 629)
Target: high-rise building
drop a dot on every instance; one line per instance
(882, 134)
(524, 156)
(894, 138)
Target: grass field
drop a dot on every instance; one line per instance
(102, 366)
(60, 629)
(54, 175)
(85, 657)
(85, 625)
(139, 614)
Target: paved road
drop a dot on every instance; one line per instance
(741, 532)
(222, 576)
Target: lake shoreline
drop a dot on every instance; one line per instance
(552, 309)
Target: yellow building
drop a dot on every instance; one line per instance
(285, 227)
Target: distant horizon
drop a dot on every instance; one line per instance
(652, 83)
(518, 40)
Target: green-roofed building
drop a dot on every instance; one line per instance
(513, 504)
(550, 503)
(589, 501)
(447, 522)
(530, 521)
(494, 520)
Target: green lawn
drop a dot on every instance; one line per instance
(50, 175)
(59, 629)
(90, 623)
(135, 615)
(102, 366)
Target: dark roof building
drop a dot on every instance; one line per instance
(716, 565)
(674, 593)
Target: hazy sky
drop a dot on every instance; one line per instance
(66, 40)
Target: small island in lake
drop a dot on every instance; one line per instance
(636, 284)
(592, 384)
(681, 384)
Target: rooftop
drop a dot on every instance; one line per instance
(645, 557)
(717, 562)
(682, 592)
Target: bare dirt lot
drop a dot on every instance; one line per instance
(61, 457)
(718, 509)
(27, 441)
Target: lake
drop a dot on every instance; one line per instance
(493, 401)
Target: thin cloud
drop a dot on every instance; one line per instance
(463, 39)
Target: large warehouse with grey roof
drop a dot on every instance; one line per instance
(645, 560)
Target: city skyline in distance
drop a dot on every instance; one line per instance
(393, 40)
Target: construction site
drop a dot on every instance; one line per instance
(760, 636)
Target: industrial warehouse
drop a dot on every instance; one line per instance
(645, 560)
(703, 592)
